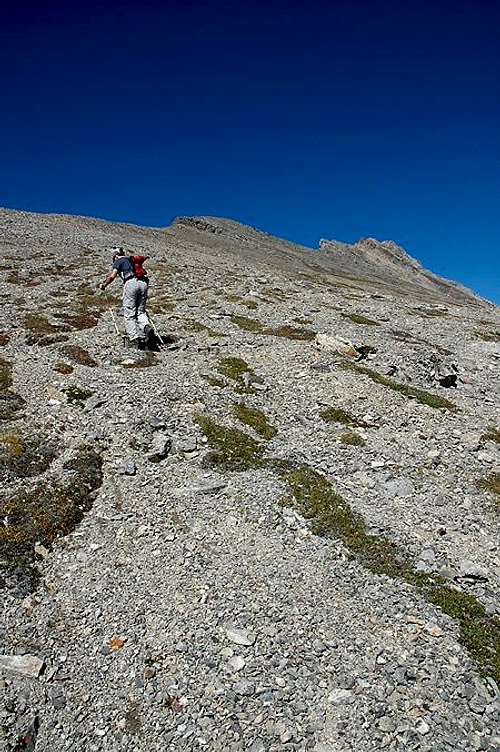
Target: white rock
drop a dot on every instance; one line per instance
(24, 665)
(338, 696)
(236, 663)
(240, 636)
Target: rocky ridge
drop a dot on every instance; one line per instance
(277, 532)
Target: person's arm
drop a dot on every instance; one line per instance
(111, 276)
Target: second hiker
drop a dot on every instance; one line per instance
(135, 295)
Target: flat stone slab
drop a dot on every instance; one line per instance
(23, 665)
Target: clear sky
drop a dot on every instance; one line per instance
(307, 119)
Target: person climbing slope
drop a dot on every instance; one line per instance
(135, 295)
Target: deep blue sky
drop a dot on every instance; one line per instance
(307, 119)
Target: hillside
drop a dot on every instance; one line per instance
(279, 531)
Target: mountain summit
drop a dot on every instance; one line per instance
(369, 262)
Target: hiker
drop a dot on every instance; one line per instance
(135, 295)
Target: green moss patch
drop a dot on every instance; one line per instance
(78, 355)
(358, 318)
(285, 330)
(256, 419)
(490, 483)
(331, 516)
(40, 331)
(76, 395)
(239, 300)
(232, 449)
(41, 515)
(213, 381)
(10, 402)
(5, 374)
(489, 336)
(239, 371)
(196, 326)
(338, 415)
(247, 324)
(10, 405)
(351, 438)
(63, 368)
(425, 398)
(146, 360)
(24, 457)
(291, 332)
(492, 434)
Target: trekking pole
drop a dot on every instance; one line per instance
(157, 333)
(112, 315)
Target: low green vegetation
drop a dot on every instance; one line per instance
(232, 449)
(492, 434)
(291, 332)
(425, 398)
(331, 516)
(338, 415)
(490, 483)
(255, 419)
(303, 322)
(239, 300)
(42, 514)
(41, 332)
(489, 336)
(24, 456)
(5, 374)
(247, 324)
(239, 371)
(285, 330)
(358, 318)
(351, 438)
(213, 381)
(63, 368)
(78, 355)
(76, 395)
(197, 326)
(10, 402)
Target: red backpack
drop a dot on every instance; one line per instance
(139, 270)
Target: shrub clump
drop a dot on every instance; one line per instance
(490, 483)
(285, 330)
(331, 516)
(41, 332)
(78, 355)
(42, 514)
(76, 395)
(239, 371)
(489, 336)
(10, 402)
(256, 419)
(425, 398)
(232, 449)
(351, 438)
(338, 415)
(358, 318)
(492, 434)
(24, 457)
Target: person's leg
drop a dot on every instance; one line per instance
(142, 299)
(130, 309)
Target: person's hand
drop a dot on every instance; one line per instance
(100, 286)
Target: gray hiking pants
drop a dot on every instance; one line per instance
(135, 295)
